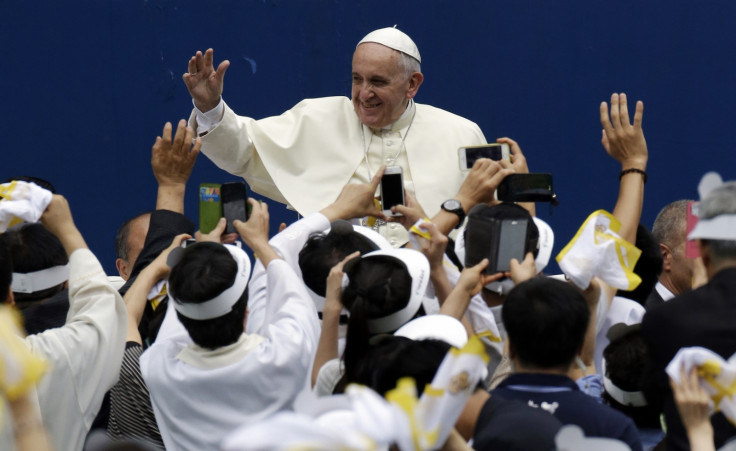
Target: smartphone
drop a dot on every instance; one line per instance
(467, 156)
(535, 187)
(210, 206)
(234, 204)
(497, 240)
(511, 244)
(392, 189)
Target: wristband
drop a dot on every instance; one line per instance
(634, 171)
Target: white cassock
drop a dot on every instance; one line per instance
(200, 395)
(306, 155)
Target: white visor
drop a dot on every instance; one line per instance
(418, 266)
(721, 227)
(44, 279)
(626, 398)
(223, 303)
(435, 327)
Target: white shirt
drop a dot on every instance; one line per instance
(84, 355)
(200, 395)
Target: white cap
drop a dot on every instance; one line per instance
(392, 38)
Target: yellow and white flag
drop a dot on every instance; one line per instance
(433, 416)
(20, 369)
(21, 201)
(716, 375)
(597, 250)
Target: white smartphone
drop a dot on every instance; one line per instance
(392, 189)
(469, 155)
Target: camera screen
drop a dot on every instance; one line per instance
(473, 154)
(511, 243)
(392, 190)
(234, 204)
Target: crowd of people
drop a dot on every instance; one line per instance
(353, 328)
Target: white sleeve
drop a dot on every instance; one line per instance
(290, 242)
(228, 144)
(85, 353)
(287, 244)
(171, 326)
(290, 312)
(209, 120)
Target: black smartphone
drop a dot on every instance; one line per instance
(498, 240)
(234, 203)
(392, 189)
(535, 187)
(511, 244)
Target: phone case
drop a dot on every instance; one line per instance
(210, 206)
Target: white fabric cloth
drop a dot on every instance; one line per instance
(716, 376)
(200, 395)
(622, 310)
(359, 420)
(305, 156)
(598, 250)
(287, 244)
(84, 355)
(362, 420)
(21, 201)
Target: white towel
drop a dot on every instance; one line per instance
(598, 250)
(716, 375)
(21, 201)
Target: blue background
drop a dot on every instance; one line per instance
(88, 85)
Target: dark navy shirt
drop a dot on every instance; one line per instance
(560, 396)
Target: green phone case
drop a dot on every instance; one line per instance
(210, 206)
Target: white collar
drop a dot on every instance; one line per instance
(205, 359)
(664, 292)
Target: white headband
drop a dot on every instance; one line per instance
(418, 266)
(392, 38)
(221, 304)
(31, 282)
(721, 227)
(627, 398)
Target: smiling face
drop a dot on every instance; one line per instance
(381, 89)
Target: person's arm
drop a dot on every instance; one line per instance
(693, 406)
(87, 351)
(478, 187)
(58, 220)
(137, 295)
(254, 232)
(327, 346)
(626, 144)
(434, 250)
(518, 162)
(28, 430)
(471, 282)
(172, 162)
(356, 201)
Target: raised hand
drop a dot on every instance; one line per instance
(622, 140)
(173, 160)
(203, 81)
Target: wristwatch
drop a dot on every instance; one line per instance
(454, 206)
